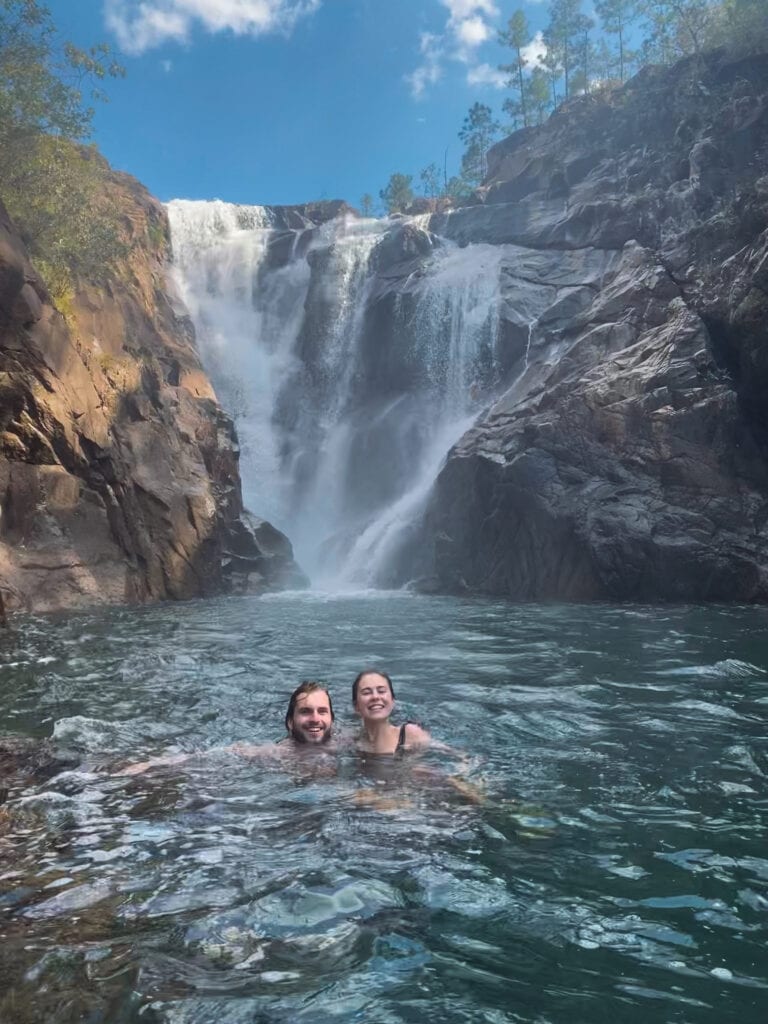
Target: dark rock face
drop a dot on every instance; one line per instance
(118, 469)
(628, 457)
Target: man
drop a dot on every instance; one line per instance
(308, 720)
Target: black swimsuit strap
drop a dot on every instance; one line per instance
(401, 737)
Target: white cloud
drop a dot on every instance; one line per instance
(460, 9)
(140, 25)
(466, 29)
(484, 74)
(167, 66)
(535, 51)
(422, 77)
(472, 32)
(430, 70)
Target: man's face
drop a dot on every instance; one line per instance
(311, 722)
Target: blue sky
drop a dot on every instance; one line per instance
(286, 101)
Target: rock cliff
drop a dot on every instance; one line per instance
(624, 455)
(118, 469)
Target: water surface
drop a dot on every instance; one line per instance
(616, 870)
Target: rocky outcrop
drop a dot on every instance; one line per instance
(118, 469)
(624, 456)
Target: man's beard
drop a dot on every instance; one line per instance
(300, 737)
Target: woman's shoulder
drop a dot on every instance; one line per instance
(415, 735)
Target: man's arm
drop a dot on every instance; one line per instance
(154, 762)
(241, 749)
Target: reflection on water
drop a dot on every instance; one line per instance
(616, 870)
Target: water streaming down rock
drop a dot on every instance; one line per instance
(219, 250)
(352, 353)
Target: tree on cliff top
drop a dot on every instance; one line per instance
(398, 193)
(517, 36)
(616, 17)
(477, 133)
(51, 185)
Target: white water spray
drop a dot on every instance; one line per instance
(343, 429)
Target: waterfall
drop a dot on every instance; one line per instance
(352, 355)
(245, 334)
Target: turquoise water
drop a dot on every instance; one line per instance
(617, 869)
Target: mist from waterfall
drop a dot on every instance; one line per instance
(347, 395)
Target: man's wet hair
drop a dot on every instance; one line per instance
(371, 672)
(303, 690)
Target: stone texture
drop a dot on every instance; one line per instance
(118, 469)
(625, 455)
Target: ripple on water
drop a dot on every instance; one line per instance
(615, 867)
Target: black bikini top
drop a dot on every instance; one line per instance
(401, 738)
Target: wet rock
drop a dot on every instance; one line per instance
(119, 477)
(626, 458)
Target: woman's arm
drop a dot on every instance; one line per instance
(415, 737)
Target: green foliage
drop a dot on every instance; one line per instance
(537, 90)
(56, 196)
(740, 25)
(398, 193)
(156, 236)
(457, 188)
(517, 36)
(477, 133)
(578, 61)
(616, 18)
(52, 187)
(568, 35)
(431, 181)
(366, 204)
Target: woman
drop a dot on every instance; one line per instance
(374, 699)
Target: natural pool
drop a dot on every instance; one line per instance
(618, 870)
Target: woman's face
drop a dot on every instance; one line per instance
(374, 701)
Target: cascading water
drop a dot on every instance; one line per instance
(352, 356)
(453, 332)
(245, 334)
